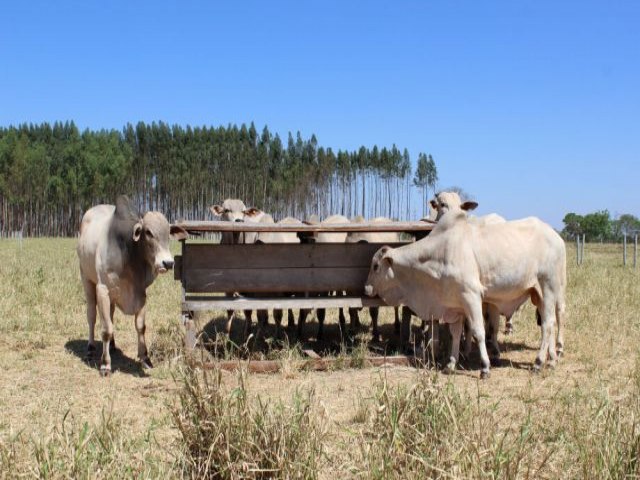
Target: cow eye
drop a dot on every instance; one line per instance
(226, 210)
(376, 267)
(149, 234)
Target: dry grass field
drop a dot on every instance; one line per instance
(59, 419)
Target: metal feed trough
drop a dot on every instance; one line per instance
(209, 270)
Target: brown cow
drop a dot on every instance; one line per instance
(120, 255)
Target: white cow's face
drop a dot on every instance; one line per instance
(153, 233)
(231, 210)
(382, 280)
(445, 202)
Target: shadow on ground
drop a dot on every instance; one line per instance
(119, 361)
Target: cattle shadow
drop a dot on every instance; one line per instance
(119, 361)
(268, 339)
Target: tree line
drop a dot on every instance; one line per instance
(51, 173)
(600, 226)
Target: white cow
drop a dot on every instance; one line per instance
(461, 265)
(234, 210)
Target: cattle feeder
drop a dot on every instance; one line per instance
(209, 271)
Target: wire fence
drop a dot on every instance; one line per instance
(629, 242)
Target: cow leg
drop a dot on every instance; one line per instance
(302, 318)
(405, 330)
(104, 308)
(141, 328)
(227, 326)
(342, 320)
(112, 345)
(262, 319)
(494, 325)
(560, 321)
(547, 325)
(291, 319)
(374, 311)
(508, 325)
(277, 318)
(90, 296)
(396, 320)
(247, 323)
(321, 313)
(473, 310)
(456, 333)
(468, 340)
(354, 320)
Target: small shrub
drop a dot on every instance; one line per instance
(225, 435)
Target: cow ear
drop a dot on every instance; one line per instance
(469, 205)
(251, 212)
(178, 233)
(216, 210)
(433, 204)
(137, 231)
(388, 259)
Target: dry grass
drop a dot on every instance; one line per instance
(58, 419)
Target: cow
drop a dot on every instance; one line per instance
(462, 265)
(374, 237)
(444, 202)
(325, 237)
(234, 210)
(121, 254)
(277, 237)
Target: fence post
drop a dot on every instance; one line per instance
(635, 250)
(584, 240)
(577, 249)
(624, 250)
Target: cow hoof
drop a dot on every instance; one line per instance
(105, 371)
(449, 369)
(146, 363)
(537, 366)
(485, 374)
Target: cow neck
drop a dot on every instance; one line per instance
(132, 253)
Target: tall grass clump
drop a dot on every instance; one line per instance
(80, 450)
(430, 430)
(225, 434)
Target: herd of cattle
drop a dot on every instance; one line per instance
(467, 272)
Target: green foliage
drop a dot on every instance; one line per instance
(599, 226)
(50, 174)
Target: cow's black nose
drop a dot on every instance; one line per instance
(168, 264)
(238, 220)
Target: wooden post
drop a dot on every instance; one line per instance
(577, 249)
(624, 250)
(635, 250)
(584, 240)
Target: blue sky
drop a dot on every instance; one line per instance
(533, 107)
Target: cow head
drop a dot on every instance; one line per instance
(152, 233)
(382, 279)
(233, 210)
(445, 202)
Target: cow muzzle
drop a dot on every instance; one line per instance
(164, 266)
(368, 291)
